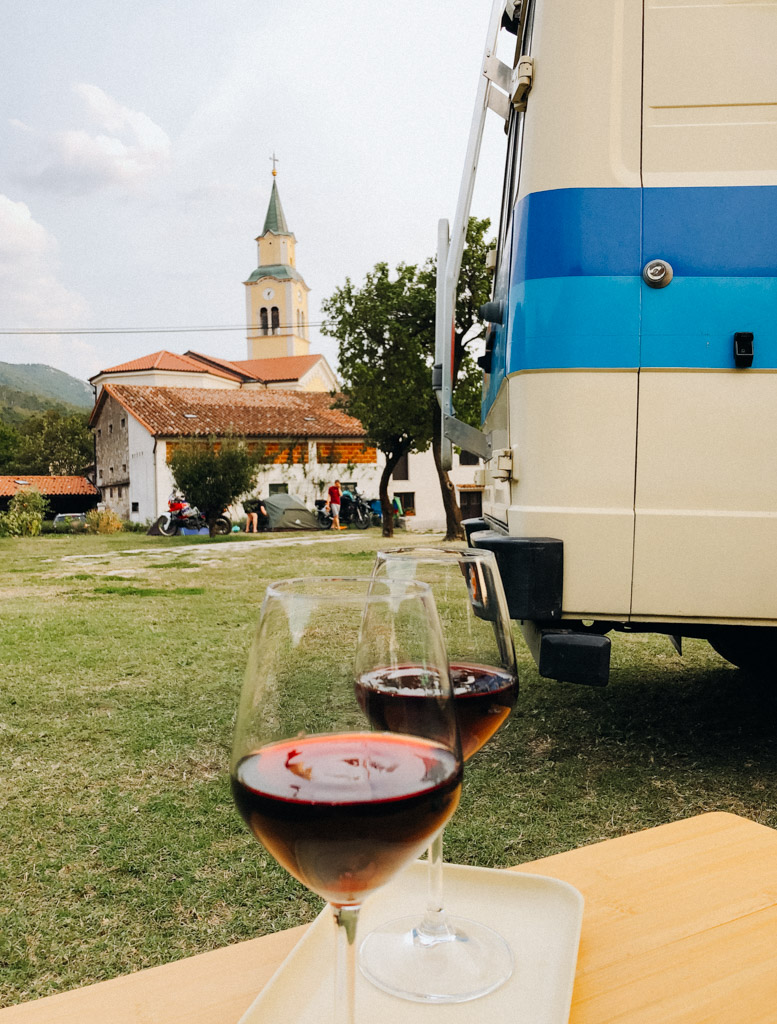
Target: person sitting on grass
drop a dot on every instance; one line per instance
(252, 507)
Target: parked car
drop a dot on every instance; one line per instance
(70, 519)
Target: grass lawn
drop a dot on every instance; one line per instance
(122, 661)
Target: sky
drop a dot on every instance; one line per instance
(135, 160)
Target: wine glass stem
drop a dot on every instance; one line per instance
(434, 927)
(345, 968)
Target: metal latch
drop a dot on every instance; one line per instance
(501, 467)
(523, 77)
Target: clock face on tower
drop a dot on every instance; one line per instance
(299, 295)
(268, 293)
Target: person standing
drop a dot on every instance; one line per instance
(333, 505)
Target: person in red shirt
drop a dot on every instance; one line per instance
(333, 505)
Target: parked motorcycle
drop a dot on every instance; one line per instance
(354, 511)
(182, 515)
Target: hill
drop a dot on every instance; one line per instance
(28, 389)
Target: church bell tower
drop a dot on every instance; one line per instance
(276, 294)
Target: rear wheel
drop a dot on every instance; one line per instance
(221, 526)
(324, 520)
(751, 648)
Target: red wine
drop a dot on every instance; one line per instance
(394, 700)
(344, 812)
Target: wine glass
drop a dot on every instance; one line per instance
(340, 805)
(444, 959)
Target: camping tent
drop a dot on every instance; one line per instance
(285, 512)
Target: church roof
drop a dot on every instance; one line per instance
(204, 412)
(275, 220)
(280, 271)
(280, 368)
(164, 360)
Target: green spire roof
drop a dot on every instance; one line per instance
(275, 220)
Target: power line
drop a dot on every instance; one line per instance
(147, 330)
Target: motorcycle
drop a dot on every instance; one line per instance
(181, 515)
(354, 511)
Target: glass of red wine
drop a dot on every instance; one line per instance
(339, 802)
(444, 959)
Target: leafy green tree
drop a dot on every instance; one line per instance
(9, 448)
(214, 474)
(53, 444)
(385, 330)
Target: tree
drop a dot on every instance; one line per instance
(53, 444)
(383, 360)
(9, 448)
(213, 474)
(385, 331)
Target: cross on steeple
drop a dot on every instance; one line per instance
(275, 161)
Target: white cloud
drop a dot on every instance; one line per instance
(127, 149)
(31, 295)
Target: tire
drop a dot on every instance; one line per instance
(361, 518)
(324, 520)
(751, 648)
(221, 527)
(167, 526)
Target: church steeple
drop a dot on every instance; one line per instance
(276, 295)
(275, 220)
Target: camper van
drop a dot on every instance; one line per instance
(630, 375)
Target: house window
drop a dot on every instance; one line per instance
(471, 504)
(99, 432)
(136, 506)
(278, 488)
(110, 428)
(124, 467)
(123, 422)
(100, 474)
(407, 500)
(263, 319)
(402, 469)
(468, 459)
(118, 492)
(276, 319)
(110, 492)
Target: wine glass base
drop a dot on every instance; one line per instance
(469, 961)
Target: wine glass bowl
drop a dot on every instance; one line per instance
(440, 958)
(341, 804)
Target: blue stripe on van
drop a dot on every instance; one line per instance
(705, 232)
(577, 298)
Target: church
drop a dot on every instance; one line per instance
(278, 398)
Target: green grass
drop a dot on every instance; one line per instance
(121, 848)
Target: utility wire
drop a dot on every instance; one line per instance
(149, 330)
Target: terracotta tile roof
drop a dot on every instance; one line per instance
(9, 485)
(200, 412)
(164, 360)
(280, 368)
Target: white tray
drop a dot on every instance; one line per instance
(540, 918)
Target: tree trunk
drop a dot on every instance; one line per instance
(386, 508)
(453, 527)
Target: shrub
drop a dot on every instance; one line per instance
(24, 517)
(105, 521)
(128, 526)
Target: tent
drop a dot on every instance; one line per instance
(285, 512)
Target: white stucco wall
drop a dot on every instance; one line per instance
(142, 483)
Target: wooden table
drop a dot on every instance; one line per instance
(680, 927)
